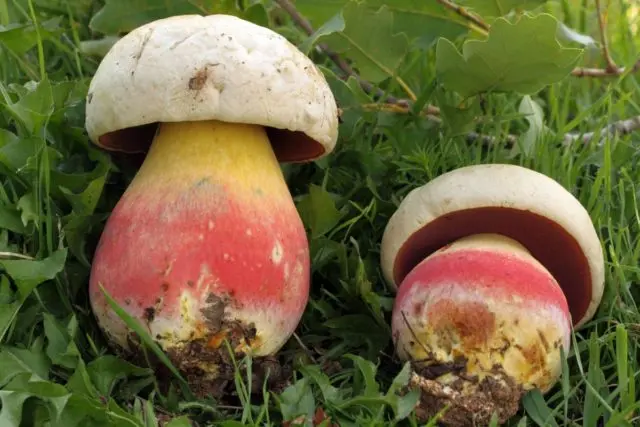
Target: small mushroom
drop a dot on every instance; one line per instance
(492, 264)
(206, 243)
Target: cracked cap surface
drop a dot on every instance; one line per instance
(216, 67)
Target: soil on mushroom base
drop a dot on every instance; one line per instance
(195, 358)
(221, 386)
(214, 349)
(497, 393)
(275, 370)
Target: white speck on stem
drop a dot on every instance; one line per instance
(277, 253)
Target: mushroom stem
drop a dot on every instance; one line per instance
(233, 155)
(205, 245)
(483, 321)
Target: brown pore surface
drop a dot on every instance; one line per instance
(547, 241)
(288, 146)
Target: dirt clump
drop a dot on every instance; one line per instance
(472, 402)
(206, 362)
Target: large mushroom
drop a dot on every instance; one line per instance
(492, 264)
(206, 245)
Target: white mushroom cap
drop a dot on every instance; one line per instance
(216, 67)
(525, 205)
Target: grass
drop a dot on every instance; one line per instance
(57, 190)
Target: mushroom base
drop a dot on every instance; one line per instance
(482, 322)
(211, 373)
(205, 248)
(497, 394)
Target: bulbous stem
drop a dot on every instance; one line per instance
(205, 245)
(486, 319)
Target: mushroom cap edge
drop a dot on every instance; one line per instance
(214, 67)
(497, 186)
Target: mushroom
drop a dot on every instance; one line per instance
(491, 264)
(206, 245)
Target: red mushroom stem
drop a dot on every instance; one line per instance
(205, 245)
(483, 321)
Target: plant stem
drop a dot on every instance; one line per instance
(36, 24)
(604, 72)
(602, 23)
(479, 22)
(619, 128)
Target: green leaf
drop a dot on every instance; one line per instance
(121, 417)
(487, 8)
(8, 312)
(85, 202)
(231, 423)
(20, 38)
(367, 38)
(537, 409)
(335, 25)
(81, 411)
(330, 393)
(106, 371)
(42, 102)
(15, 361)
(35, 105)
(535, 116)
(15, 153)
(61, 348)
(10, 219)
(318, 211)
(367, 371)
(255, 13)
(422, 21)
(319, 12)
(7, 137)
(523, 57)
(325, 251)
(54, 395)
(147, 414)
(28, 207)
(76, 228)
(350, 96)
(28, 274)
(64, 7)
(401, 379)
(11, 413)
(402, 405)
(458, 120)
(297, 400)
(122, 16)
(80, 381)
(182, 421)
